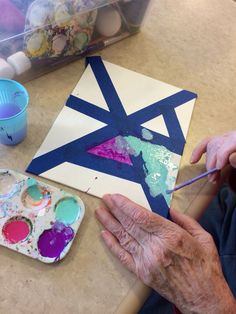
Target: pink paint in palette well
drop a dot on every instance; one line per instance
(17, 229)
(39, 221)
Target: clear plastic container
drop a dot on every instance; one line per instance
(41, 35)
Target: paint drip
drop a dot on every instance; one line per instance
(17, 229)
(53, 241)
(160, 171)
(67, 210)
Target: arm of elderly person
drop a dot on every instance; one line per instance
(176, 258)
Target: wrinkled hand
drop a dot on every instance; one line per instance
(220, 150)
(178, 259)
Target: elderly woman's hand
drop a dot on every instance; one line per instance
(178, 259)
(220, 151)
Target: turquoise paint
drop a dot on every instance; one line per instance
(147, 135)
(34, 192)
(157, 165)
(31, 181)
(67, 210)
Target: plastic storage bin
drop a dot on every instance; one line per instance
(41, 35)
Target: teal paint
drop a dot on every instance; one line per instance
(157, 165)
(31, 181)
(34, 192)
(67, 210)
(147, 135)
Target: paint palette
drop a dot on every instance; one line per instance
(36, 219)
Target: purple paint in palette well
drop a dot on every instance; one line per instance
(8, 110)
(53, 241)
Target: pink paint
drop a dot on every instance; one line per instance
(16, 230)
(111, 150)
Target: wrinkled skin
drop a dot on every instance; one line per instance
(176, 258)
(220, 150)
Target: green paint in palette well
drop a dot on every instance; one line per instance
(34, 192)
(157, 165)
(67, 210)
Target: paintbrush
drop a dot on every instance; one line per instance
(188, 182)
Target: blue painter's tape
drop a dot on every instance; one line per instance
(90, 110)
(128, 126)
(118, 123)
(107, 87)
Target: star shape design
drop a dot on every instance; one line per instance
(118, 123)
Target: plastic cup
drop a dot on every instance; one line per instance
(14, 101)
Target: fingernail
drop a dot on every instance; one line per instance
(103, 232)
(115, 197)
(218, 164)
(210, 179)
(191, 159)
(106, 196)
(118, 200)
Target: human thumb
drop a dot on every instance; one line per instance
(232, 159)
(187, 223)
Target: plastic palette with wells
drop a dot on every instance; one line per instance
(37, 219)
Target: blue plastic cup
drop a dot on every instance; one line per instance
(14, 101)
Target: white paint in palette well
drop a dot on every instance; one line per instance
(83, 179)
